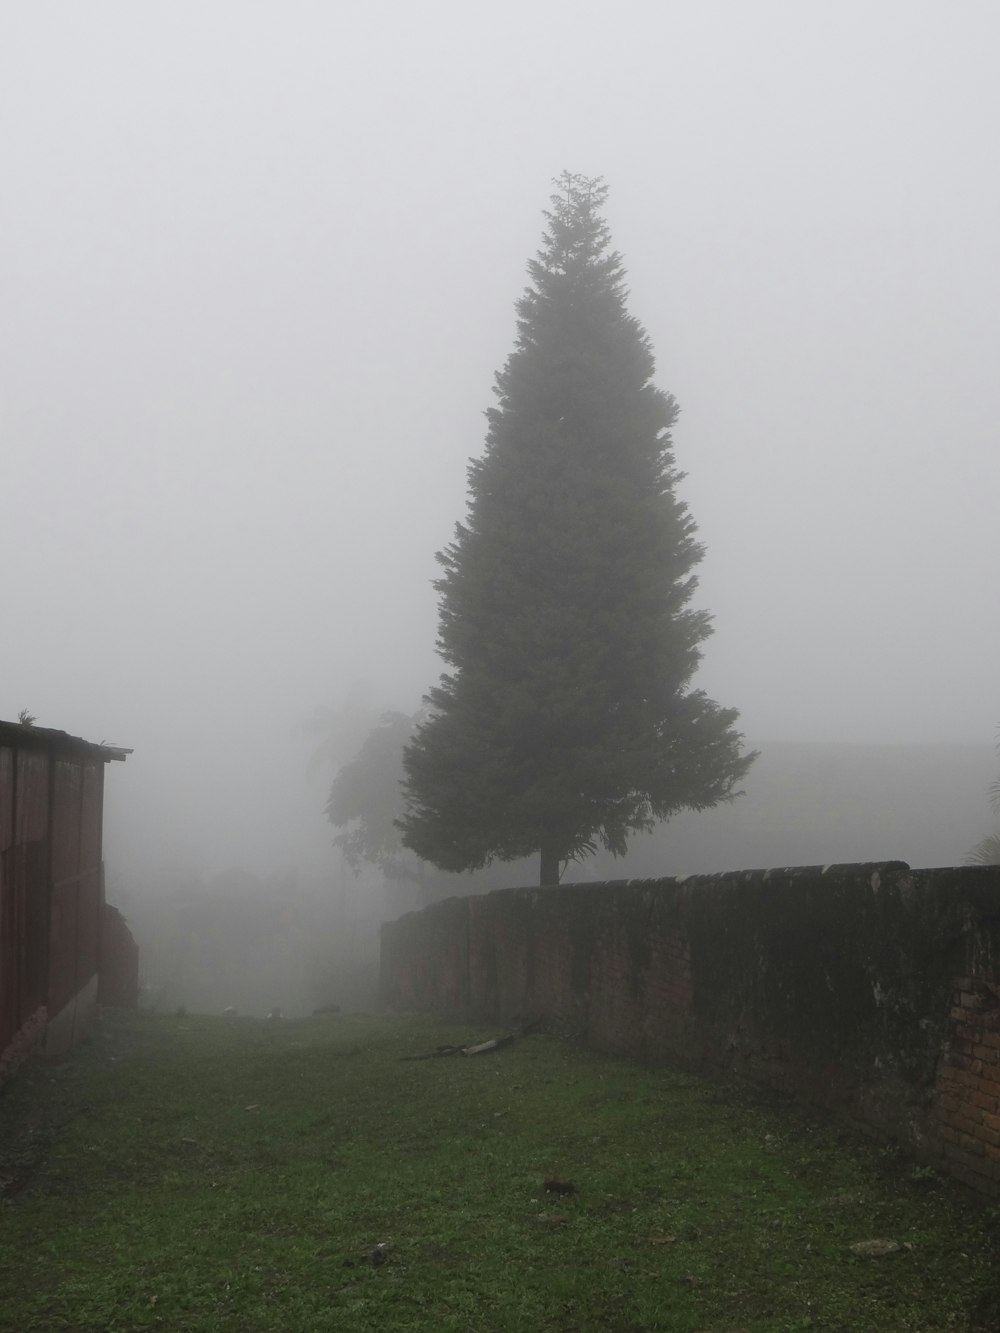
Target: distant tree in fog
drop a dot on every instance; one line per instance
(566, 719)
(987, 851)
(366, 801)
(336, 731)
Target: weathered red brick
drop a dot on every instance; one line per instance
(966, 1118)
(972, 1161)
(962, 1077)
(955, 1058)
(968, 1121)
(978, 1180)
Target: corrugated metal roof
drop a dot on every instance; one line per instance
(47, 738)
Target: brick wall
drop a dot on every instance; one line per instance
(967, 1091)
(870, 989)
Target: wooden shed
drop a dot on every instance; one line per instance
(56, 933)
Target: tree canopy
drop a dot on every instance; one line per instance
(366, 799)
(987, 851)
(566, 719)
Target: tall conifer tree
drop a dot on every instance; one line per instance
(566, 719)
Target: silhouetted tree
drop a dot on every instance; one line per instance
(987, 851)
(336, 731)
(366, 801)
(567, 718)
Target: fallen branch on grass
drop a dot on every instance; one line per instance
(494, 1044)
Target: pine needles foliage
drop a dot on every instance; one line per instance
(566, 719)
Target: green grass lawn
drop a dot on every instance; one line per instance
(212, 1174)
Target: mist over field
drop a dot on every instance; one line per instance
(259, 272)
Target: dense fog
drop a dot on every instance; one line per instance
(259, 271)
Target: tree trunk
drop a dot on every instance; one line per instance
(549, 866)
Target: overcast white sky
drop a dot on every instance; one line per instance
(257, 271)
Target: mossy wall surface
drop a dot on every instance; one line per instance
(871, 989)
